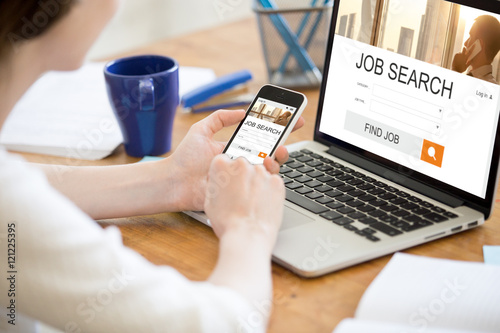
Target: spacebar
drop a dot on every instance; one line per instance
(304, 202)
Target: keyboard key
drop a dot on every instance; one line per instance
(387, 196)
(355, 203)
(324, 179)
(304, 159)
(400, 224)
(367, 197)
(368, 220)
(295, 154)
(350, 227)
(335, 183)
(324, 200)
(304, 190)
(326, 160)
(293, 174)
(314, 195)
(368, 231)
(284, 169)
(414, 199)
(334, 173)
(323, 188)
(377, 213)
(331, 215)
(347, 170)
(450, 215)
(357, 216)
(337, 165)
(306, 151)
(305, 203)
(305, 169)
(354, 182)
(346, 188)
(391, 189)
(303, 179)
(380, 184)
(335, 205)
(372, 238)
(334, 193)
(317, 156)
(366, 186)
(345, 177)
(418, 225)
(388, 230)
(324, 168)
(400, 213)
(345, 210)
(366, 208)
(375, 191)
(389, 219)
(294, 165)
(344, 198)
(287, 180)
(315, 164)
(314, 183)
(293, 185)
(356, 193)
(398, 201)
(409, 205)
(369, 179)
(413, 218)
(426, 204)
(343, 221)
(420, 211)
(389, 208)
(378, 203)
(438, 209)
(403, 194)
(315, 174)
(434, 217)
(358, 174)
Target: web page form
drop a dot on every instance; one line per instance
(427, 118)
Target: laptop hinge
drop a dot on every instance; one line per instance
(396, 177)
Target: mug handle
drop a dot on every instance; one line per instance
(147, 95)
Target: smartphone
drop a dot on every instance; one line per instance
(267, 123)
(474, 50)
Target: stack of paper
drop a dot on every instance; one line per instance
(418, 294)
(68, 114)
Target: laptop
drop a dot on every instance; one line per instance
(405, 150)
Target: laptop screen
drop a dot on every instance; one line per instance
(415, 83)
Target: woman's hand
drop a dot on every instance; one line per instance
(191, 160)
(244, 199)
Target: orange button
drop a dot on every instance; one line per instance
(263, 155)
(432, 153)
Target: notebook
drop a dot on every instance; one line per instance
(405, 149)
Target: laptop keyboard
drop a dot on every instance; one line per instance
(344, 196)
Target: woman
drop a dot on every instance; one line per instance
(77, 277)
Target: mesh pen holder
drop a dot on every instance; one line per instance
(294, 36)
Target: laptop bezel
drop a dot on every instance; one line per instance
(407, 176)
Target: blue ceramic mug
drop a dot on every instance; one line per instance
(144, 94)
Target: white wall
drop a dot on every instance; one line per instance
(140, 22)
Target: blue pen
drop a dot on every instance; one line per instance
(300, 30)
(305, 62)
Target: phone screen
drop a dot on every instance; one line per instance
(258, 134)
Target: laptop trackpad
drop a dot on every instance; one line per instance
(292, 218)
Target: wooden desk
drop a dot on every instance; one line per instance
(300, 305)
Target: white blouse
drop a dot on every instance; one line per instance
(70, 273)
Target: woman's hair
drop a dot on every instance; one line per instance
(21, 20)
